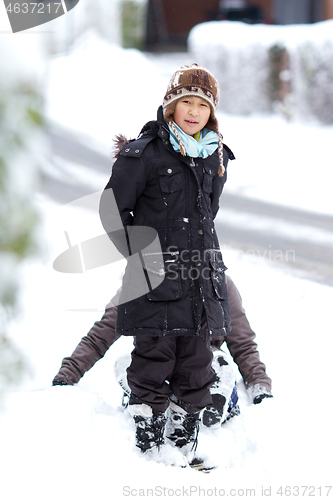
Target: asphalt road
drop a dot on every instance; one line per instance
(300, 241)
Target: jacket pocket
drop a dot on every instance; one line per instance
(207, 180)
(170, 178)
(217, 273)
(170, 288)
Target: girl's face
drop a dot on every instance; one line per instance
(191, 114)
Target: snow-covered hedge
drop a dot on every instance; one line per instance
(20, 147)
(262, 67)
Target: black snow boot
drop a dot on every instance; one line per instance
(149, 427)
(182, 428)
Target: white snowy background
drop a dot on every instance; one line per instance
(77, 442)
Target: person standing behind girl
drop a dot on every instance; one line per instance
(170, 179)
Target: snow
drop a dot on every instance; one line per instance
(77, 442)
(287, 163)
(250, 61)
(87, 93)
(80, 442)
(240, 34)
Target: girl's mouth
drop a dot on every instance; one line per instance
(191, 122)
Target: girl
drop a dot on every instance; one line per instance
(170, 179)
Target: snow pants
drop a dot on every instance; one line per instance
(166, 366)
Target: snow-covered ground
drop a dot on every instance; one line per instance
(77, 442)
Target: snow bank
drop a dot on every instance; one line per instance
(100, 15)
(254, 63)
(103, 90)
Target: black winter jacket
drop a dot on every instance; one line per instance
(178, 197)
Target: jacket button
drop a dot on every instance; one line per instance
(127, 150)
(200, 231)
(169, 170)
(137, 150)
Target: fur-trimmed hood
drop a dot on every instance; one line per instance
(119, 142)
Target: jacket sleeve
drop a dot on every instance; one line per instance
(241, 343)
(118, 200)
(218, 185)
(91, 348)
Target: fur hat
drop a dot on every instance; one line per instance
(195, 81)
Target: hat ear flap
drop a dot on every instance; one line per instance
(212, 123)
(169, 111)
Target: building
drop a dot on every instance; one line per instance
(170, 21)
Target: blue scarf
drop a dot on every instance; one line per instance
(205, 146)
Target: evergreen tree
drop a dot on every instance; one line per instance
(20, 131)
